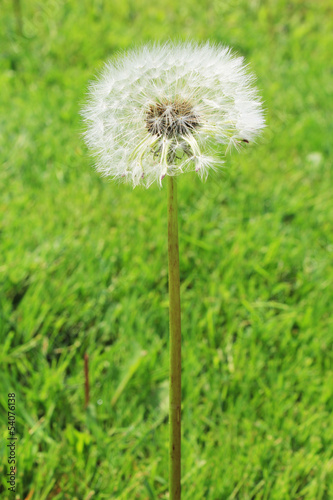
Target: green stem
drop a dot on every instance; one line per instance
(18, 15)
(175, 343)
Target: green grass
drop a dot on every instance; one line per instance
(84, 268)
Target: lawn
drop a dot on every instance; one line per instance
(83, 267)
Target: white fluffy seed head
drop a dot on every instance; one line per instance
(163, 109)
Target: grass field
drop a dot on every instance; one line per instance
(84, 268)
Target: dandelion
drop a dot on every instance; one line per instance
(163, 110)
(160, 111)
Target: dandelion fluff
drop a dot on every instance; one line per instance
(167, 109)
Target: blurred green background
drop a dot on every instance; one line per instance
(84, 267)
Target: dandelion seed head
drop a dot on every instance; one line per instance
(165, 109)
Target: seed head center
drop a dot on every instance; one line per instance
(171, 119)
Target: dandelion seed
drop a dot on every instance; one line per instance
(166, 109)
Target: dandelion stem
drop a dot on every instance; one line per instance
(175, 343)
(18, 15)
(86, 380)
